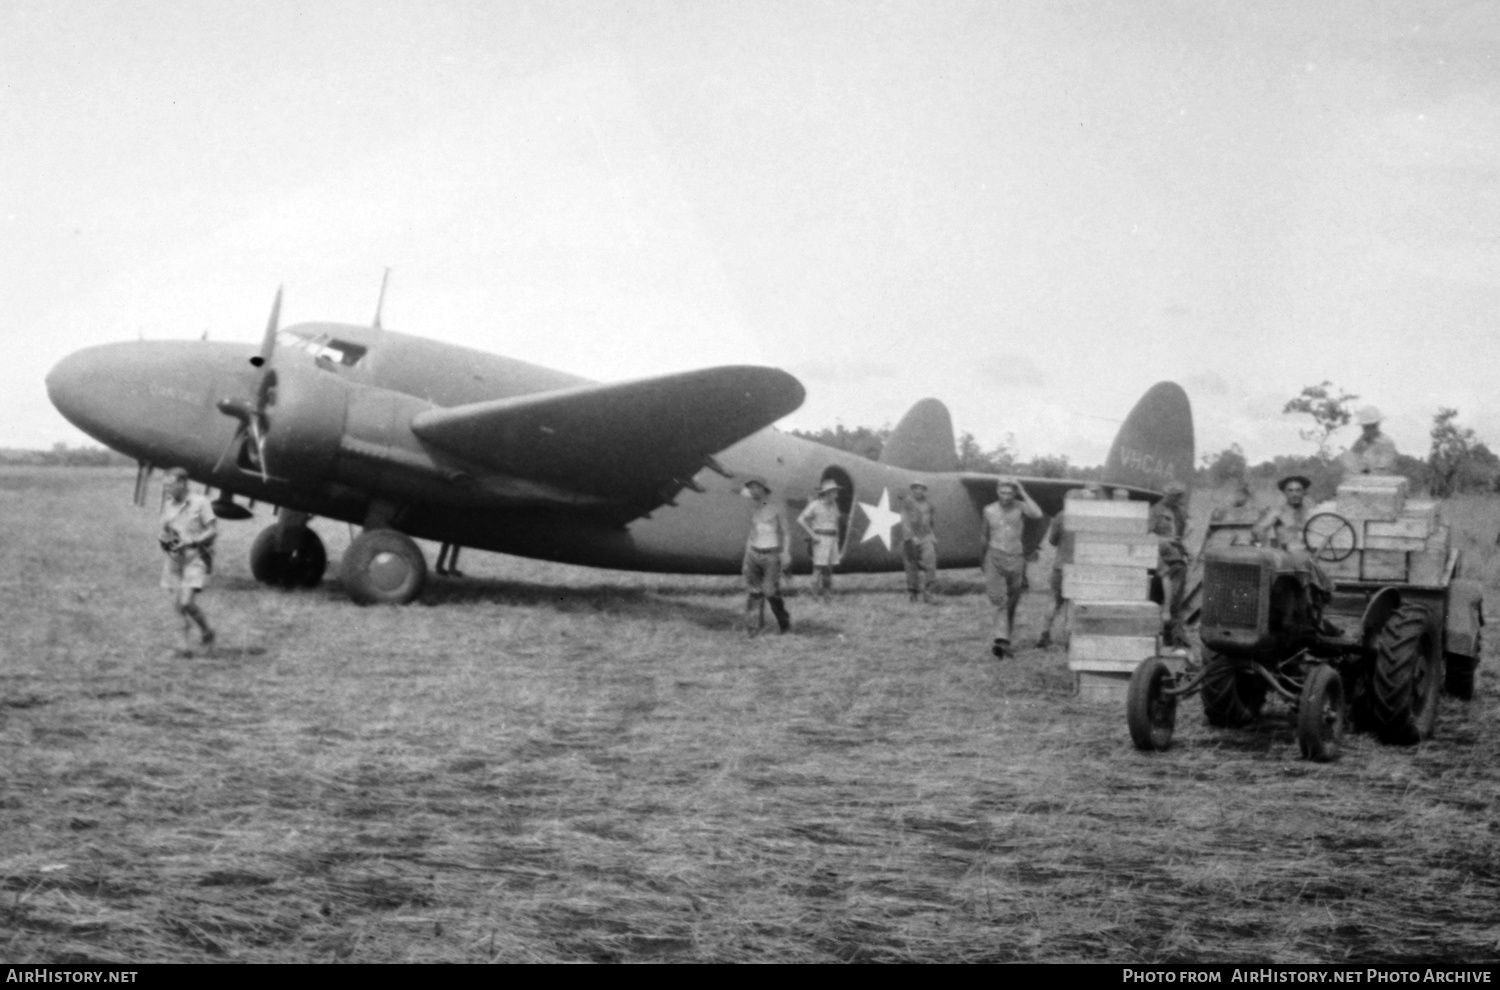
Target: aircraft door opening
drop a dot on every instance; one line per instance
(845, 500)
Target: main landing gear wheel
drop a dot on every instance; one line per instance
(1232, 695)
(383, 567)
(1330, 537)
(288, 557)
(1149, 710)
(1320, 715)
(1408, 674)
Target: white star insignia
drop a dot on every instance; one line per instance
(881, 519)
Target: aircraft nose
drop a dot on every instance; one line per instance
(78, 386)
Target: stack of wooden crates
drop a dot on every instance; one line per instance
(1114, 624)
(1399, 539)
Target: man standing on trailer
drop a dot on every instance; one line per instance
(1373, 452)
(1004, 566)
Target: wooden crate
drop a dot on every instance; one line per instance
(1105, 582)
(1409, 531)
(1430, 564)
(1104, 687)
(1124, 549)
(1108, 681)
(1372, 496)
(1105, 618)
(1098, 516)
(1088, 647)
(1342, 570)
(1383, 565)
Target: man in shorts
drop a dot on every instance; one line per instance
(768, 548)
(188, 531)
(1004, 566)
(919, 544)
(820, 520)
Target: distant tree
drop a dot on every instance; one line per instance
(1048, 466)
(999, 460)
(1458, 460)
(1227, 467)
(1328, 405)
(861, 440)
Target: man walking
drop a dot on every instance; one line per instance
(1004, 564)
(188, 531)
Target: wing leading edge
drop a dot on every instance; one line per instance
(634, 443)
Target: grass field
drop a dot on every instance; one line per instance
(543, 763)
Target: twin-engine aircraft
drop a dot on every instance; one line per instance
(409, 437)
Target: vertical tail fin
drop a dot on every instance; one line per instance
(923, 440)
(1155, 443)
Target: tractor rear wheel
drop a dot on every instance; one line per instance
(1320, 715)
(1150, 712)
(1407, 677)
(1233, 694)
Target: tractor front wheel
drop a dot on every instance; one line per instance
(1320, 715)
(1233, 694)
(1149, 710)
(1407, 677)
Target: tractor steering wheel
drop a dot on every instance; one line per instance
(1330, 537)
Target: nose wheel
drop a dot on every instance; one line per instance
(383, 567)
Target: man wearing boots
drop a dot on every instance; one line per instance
(768, 548)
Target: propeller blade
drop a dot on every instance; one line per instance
(260, 447)
(268, 342)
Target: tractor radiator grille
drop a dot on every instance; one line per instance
(1231, 595)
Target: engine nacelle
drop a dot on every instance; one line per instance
(305, 420)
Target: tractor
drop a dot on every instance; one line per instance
(1343, 632)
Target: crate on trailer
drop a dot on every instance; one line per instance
(1383, 565)
(1372, 496)
(1429, 565)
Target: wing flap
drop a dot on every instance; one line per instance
(634, 442)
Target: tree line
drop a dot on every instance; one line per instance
(1457, 460)
(61, 455)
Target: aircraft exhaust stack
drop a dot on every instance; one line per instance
(1155, 443)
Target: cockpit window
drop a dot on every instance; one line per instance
(324, 348)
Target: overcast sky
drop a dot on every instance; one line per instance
(1031, 210)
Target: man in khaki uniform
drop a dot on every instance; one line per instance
(919, 543)
(1168, 521)
(1004, 566)
(768, 548)
(1057, 535)
(1373, 452)
(820, 520)
(188, 531)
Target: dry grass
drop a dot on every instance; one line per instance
(543, 763)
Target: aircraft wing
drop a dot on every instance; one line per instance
(632, 443)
